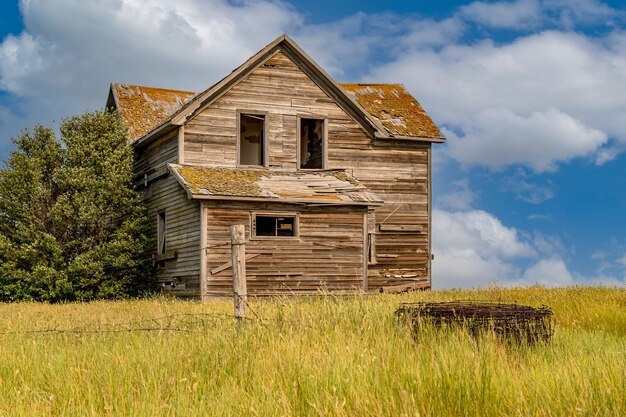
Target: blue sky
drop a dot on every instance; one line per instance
(531, 94)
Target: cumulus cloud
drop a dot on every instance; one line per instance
(553, 272)
(537, 101)
(549, 272)
(499, 137)
(503, 14)
(474, 248)
(530, 14)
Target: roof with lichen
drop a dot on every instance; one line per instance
(318, 187)
(144, 108)
(397, 110)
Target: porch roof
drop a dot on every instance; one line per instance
(251, 184)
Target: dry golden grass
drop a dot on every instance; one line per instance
(321, 356)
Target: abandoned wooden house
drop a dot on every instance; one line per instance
(332, 181)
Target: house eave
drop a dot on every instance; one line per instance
(390, 137)
(155, 133)
(304, 202)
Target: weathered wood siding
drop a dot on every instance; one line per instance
(328, 253)
(397, 170)
(398, 173)
(181, 274)
(156, 155)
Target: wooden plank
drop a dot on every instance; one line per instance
(400, 228)
(230, 263)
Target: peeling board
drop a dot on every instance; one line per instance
(400, 228)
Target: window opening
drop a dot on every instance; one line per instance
(251, 139)
(161, 232)
(311, 143)
(274, 225)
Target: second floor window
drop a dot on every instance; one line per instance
(251, 139)
(311, 143)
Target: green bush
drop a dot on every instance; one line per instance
(72, 227)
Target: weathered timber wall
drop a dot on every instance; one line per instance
(156, 155)
(326, 254)
(180, 272)
(396, 170)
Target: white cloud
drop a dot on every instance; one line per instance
(549, 272)
(622, 260)
(425, 34)
(548, 245)
(497, 137)
(539, 100)
(530, 14)
(570, 12)
(473, 248)
(503, 14)
(553, 272)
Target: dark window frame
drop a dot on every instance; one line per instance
(264, 144)
(253, 224)
(324, 121)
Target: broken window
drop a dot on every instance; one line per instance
(265, 225)
(251, 139)
(311, 143)
(161, 232)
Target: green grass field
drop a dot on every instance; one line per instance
(320, 356)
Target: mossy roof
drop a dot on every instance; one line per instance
(319, 186)
(397, 110)
(143, 109)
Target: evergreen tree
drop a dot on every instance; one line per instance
(72, 227)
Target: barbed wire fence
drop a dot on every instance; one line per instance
(178, 322)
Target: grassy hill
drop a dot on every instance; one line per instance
(318, 356)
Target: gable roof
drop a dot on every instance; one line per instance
(370, 108)
(300, 187)
(144, 108)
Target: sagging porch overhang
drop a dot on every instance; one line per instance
(311, 187)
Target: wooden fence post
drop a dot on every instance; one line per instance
(238, 248)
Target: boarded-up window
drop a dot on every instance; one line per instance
(251, 139)
(311, 143)
(278, 226)
(161, 232)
